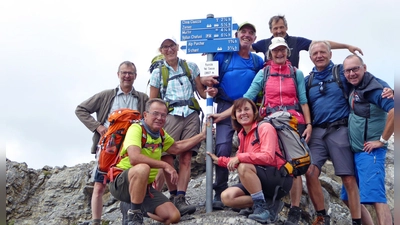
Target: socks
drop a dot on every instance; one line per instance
(96, 221)
(173, 192)
(136, 206)
(181, 193)
(258, 196)
(356, 221)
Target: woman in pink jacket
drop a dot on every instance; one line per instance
(256, 163)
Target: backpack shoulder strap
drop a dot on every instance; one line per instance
(162, 134)
(185, 68)
(308, 86)
(265, 78)
(144, 135)
(266, 73)
(225, 64)
(256, 136)
(336, 77)
(310, 80)
(164, 74)
(293, 74)
(255, 62)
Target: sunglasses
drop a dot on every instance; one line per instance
(321, 87)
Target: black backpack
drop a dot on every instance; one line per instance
(336, 78)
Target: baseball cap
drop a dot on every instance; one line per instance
(169, 38)
(247, 24)
(277, 41)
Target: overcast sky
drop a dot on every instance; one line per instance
(56, 54)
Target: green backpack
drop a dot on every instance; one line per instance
(158, 62)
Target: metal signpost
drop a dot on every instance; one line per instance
(210, 35)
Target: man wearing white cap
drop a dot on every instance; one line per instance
(175, 82)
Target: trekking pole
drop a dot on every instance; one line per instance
(209, 143)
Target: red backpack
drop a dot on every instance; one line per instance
(110, 144)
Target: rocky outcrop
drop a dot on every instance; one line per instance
(61, 196)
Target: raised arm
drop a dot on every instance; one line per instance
(351, 48)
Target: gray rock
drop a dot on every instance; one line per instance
(62, 195)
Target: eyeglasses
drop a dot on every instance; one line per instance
(354, 69)
(166, 47)
(279, 50)
(158, 114)
(127, 73)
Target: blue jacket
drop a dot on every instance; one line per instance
(326, 101)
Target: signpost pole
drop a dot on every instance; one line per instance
(209, 144)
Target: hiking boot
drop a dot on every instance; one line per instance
(217, 203)
(322, 219)
(172, 198)
(183, 206)
(293, 216)
(260, 211)
(135, 217)
(246, 212)
(274, 210)
(236, 209)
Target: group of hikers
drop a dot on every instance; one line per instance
(344, 113)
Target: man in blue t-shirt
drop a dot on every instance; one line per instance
(235, 81)
(278, 27)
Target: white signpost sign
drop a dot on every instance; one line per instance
(209, 68)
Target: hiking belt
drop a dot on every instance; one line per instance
(337, 123)
(176, 103)
(176, 77)
(282, 108)
(190, 103)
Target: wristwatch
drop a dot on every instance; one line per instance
(383, 140)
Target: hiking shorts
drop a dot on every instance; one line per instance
(270, 178)
(180, 128)
(120, 190)
(332, 143)
(370, 174)
(97, 176)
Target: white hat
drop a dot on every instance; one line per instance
(277, 41)
(169, 38)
